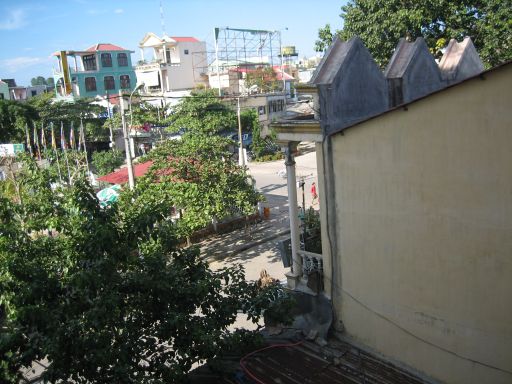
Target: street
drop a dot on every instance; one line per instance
(270, 181)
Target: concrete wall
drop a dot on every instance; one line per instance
(423, 201)
(351, 86)
(186, 75)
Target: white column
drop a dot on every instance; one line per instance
(294, 275)
(141, 54)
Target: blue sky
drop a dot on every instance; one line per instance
(31, 30)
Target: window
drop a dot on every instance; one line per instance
(261, 110)
(2, 96)
(125, 81)
(89, 62)
(106, 60)
(109, 82)
(90, 84)
(186, 51)
(33, 93)
(276, 105)
(122, 59)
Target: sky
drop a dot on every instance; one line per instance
(32, 30)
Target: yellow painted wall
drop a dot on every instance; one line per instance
(424, 230)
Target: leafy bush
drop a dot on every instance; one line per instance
(106, 162)
(313, 239)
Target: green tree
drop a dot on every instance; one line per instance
(50, 82)
(381, 23)
(50, 110)
(325, 38)
(196, 175)
(260, 146)
(103, 300)
(14, 116)
(202, 113)
(39, 80)
(107, 161)
(264, 79)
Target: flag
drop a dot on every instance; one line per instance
(36, 143)
(63, 144)
(29, 145)
(72, 142)
(54, 143)
(43, 137)
(81, 141)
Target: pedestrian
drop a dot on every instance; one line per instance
(314, 195)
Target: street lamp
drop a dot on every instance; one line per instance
(130, 102)
(127, 147)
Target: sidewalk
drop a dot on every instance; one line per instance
(224, 246)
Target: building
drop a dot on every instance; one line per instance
(172, 63)
(4, 91)
(100, 70)
(20, 93)
(414, 170)
(16, 92)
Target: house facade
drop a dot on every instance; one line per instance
(416, 214)
(100, 70)
(4, 91)
(171, 63)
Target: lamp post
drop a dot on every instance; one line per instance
(131, 178)
(139, 86)
(241, 155)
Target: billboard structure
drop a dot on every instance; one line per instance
(238, 51)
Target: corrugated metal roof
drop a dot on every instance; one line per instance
(307, 363)
(121, 176)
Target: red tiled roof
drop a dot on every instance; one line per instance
(121, 176)
(185, 39)
(105, 47)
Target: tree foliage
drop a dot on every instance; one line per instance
(14, 116)
(50, 110)
(39, 80)
(260, 146)
(264, 79)
(381, 23)
(202, 113)
(107, 161)
(102, 299)
(197, 176)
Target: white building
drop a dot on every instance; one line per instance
(171, 63)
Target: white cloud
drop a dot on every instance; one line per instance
(119, 10)
(15, 20)
(19, 63)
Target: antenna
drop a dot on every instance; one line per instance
(162, 20)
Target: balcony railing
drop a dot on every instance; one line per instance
(311, 262)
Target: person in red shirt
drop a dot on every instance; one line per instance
(314, 195)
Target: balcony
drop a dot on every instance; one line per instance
(153, 65)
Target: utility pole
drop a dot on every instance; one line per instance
(131, 178)
(241, 157)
